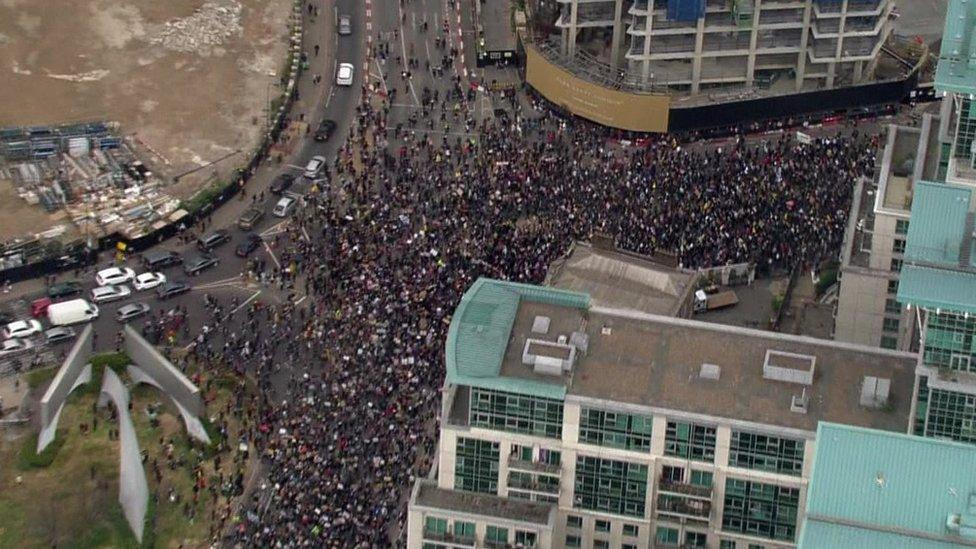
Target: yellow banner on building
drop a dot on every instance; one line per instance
(614, 108)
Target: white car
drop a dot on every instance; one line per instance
(344, 74)
(104, 294)
(314, 166)
(12, 347)
(114, 275)
(21, 328)
(148, 281)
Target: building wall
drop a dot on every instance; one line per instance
(860, 307)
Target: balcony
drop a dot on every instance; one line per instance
(697, 509)
(533, 466)
(447, 537)
(533, 486)
(704, 492)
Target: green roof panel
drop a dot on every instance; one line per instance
(933, 288)
(816, 534)
(956, 70)
(938, 223)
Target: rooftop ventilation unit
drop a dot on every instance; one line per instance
(710, 371)
(580, 340)
(875, 391)
(798, 404)
(789, 367)
(548, 357)
(541, 325)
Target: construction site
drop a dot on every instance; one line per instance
(93, 139)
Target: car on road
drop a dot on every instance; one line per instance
(344, 74)
(314, 167)
(210, 241)
(64, 289)
(104, 294)
(171, 289)
(13, 347)
(58, 334)
(249, 218)
(148, 281)
(159, 259)
(114, 275)
(345, 25)
(250, 244)
(284, 206)
(39, 306)
(21, 328)
(281, 183)
(326, 129)
(199, 264)
(130, 311)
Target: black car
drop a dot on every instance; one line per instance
(281, 183)
(250, 244)
(326, 128)
(210, 241)
(200, 263)
(249, 218)
(65, 289)
(171, 289)
(159, 259)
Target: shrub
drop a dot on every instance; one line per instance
(39, 377)
(30, 459)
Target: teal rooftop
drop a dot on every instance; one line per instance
(956, 70)
(873, 489)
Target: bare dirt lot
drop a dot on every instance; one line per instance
(189, 79)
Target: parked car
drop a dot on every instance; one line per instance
(104, 294)
(148, 281)
(282, 182)
(326, 128)
(114, 275)
(250, 244)
(58, 334)
(171, 289)
(210, 241)
(249, 218)
(314, 167)
(284, 206)
(11, 347)
(39, 306)
(156, 260)
(345, 25)
(21, 328)
(74, 311)
(64, 289)
(199, 264)
(344, 74)
(130, 311)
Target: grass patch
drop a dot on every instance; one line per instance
(827, 279)
(115, 361)
(30, 459)
(39, 377)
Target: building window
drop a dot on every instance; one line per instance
(896, 265)
(610, 486)
(573, 540)
(892, 306)
(631, 530)
(726, 544)
(759, 509)
(516, 413)
(601, 544)
(574, 521)
(899, 246)
(602, 526)
(615, 429)
(696, 539)
(628, 546)
(666, 535)
(949, 336)
(464, 529)
(889, 342)
(901, 226)
(951, 415)
(690, 441)
(496, 534)
(890, 324)
(670, 473)
(701, 478)
(766, 453)
(476, 466)
(434, 526)
(525, 539)
(755, 546)
(892, 287)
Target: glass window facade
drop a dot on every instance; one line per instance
(573, 540)
(476, 466)
(766, 453)
(610, 486)
(690, 441)
(901, 226)
(759, 509)
(701, 478)
(696, 539)
(890, 324)
(892, 306)
(951, 415)
(496, 534)
(666, 535)
(950, 341)
(616, 430)
(516, 413)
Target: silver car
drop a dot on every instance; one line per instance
(345, 25)
(58, 334)
(130, 311)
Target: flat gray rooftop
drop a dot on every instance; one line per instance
(429, 495)
(496, 21)
(619, 280)
(563, 321)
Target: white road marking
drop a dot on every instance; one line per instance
(299, 302)
(403, 50)
(246, 301)
(382, 79)
(273, 258)
(274, 229)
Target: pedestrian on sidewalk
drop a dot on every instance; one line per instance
(316, 50)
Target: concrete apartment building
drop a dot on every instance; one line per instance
(697, 45)
(569, 424)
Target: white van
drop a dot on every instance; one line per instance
(284, 206)
(71, 312)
